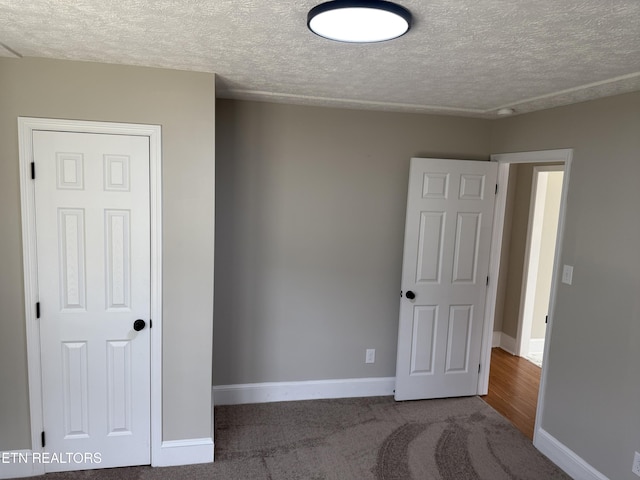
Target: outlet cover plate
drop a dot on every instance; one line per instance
(370, 356)
(636, 464)
(567, 274)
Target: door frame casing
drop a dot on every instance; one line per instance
(26, 127)
(505, 160)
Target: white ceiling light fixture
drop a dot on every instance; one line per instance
(359, 21)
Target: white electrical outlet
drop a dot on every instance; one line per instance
(370, 357)
(636, 464)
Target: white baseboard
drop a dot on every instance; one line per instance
(19, 463)
(504, 341)
(508, 343)
(185, 452)
(565, 458)
(536, 345)
(307, 390)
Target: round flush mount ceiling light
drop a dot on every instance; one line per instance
(503, 112)
(359, 21)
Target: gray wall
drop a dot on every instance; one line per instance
(183, 104)
(309, 234)
(518, 245)
(310, 213)
(593, 382)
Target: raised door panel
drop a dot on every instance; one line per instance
(71, 248)
(459, 338)
(75, 387)
(430, 247)
(465, 254)
(119, 388)
(423, 339)
(118, 259)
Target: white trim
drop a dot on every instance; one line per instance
(578, 88)
(536, 345)
(155, 198)
(554, 289)
(261, 95)
(565, 458)
(27, 202)
(265, 96)
(17, 468)
(305, 390)
(499, 210)
(541, 156)
(185, 452)
(26, 127)
(508, 343)
(503, 341)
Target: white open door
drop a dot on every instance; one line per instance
(93, 268)
(444, 277)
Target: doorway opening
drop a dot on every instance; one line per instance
(541, 237)
(525, 258)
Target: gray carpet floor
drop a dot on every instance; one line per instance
(361, 439)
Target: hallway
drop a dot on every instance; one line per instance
(513, 389)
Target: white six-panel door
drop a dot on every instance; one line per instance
(93, 249)
(445, 267)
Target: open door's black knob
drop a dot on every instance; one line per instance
(139, 325)
(410, 295)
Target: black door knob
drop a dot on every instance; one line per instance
(139, 325)
(410, 295)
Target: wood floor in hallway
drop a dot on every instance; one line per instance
(513, 389)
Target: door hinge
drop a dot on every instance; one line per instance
(546, 319)
(487, 279)
(479, 365)
(42, 439)
(496, 188)
(33, 170)
(37, 309)
(150, 323)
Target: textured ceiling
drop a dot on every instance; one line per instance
(461, 57)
